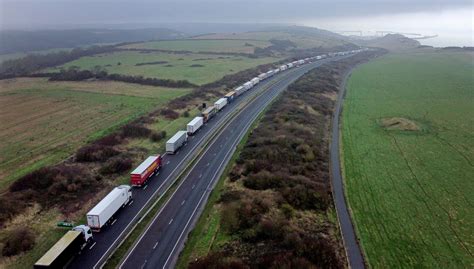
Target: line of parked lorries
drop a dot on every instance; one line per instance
(102, 213)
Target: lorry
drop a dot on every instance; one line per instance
(300, 62)
(248, 85)
(255, 81)
(239, 90)
(102, 213)
(175, 142)
(290, 65)
(194, 125)
(230, 96)
(270, 73)
(61, 253)
(208, 113)
(220, 104)
(145, 170)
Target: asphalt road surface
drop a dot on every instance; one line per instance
(159, 246)
(107, 240)
(353, 251)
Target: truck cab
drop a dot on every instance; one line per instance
(86, 232)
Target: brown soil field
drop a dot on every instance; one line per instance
(44, 122)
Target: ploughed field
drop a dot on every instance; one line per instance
(195, 68)
(44, 122)
(408, 140)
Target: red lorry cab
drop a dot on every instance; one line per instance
(145, 170)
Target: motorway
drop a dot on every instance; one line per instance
(162, 241)
(95, 255)
(351, 245)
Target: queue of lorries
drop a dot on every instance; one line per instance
(102, 213)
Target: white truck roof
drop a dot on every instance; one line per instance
(220, 101)
(239, 88)
(144, 165)
(195, 120)
(175, 137)
(104, 203)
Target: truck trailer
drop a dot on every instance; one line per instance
(145, 170)
(103, 212)
(239, 90)
(175, 142)
(61, 253)
(194, 125)
(230, 96)
(283, 67)
(262, 76)
(208, 113)
(248, 85)
(220, 104)
(255, 81)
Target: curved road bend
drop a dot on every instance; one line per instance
(353, 251)
(106, 241)
(162, 241)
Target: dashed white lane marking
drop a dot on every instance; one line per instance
(207, 164)
(130, 203)
(92, 245)
(146, 186)
(193, 187)
(168, 162)
(171, 221)
(113, 222)
(156, 244)
(143, 265)
(182, 203)
(200, 176)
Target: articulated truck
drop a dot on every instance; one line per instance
(102, 213)
(71, 244)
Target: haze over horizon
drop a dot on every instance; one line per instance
(452, 21)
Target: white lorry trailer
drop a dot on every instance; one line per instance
(239, 90)
(255, 81)
(248, 85)
(194, 125)
(102, 213)
(175, 142)
(220, 104)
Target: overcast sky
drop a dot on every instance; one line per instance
(398, 15)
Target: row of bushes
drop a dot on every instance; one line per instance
(284, 171)
(75, 74)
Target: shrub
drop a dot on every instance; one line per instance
(157, 136)
(116, 166)
(186, 114)
(18, 240)
(134, 130)
(95, 153)
(109, 140)
(169, 113)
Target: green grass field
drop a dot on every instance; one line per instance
(207, 68)
(44, 122)
(200, 45)
(408, 140)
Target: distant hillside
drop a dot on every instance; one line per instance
(391, 42)
(13, 41)
(302, 37)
